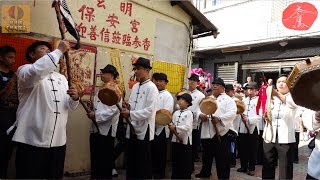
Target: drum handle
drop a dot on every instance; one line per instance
(176, 134)
(216, 129)
(127, 120)
(88, 110)
(245, 124)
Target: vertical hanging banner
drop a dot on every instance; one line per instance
(83, 65)
(115, 61)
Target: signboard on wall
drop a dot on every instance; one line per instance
(112, 23)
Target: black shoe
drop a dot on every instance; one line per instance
(251, 173)
(158, 177)
(242, 170)
(114, 173)
(202, 175)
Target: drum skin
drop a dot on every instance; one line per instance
(163, 117)
(240, 106)
(304, 83)
(110, 93)
(208, 105)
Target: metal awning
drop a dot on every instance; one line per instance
(202, 26)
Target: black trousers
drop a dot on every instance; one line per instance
(101, 154)
(181, 161)
(121, 145)
(39, 163)
(159, 155)
(295, 147)
(249, 147)
(284, 153)
(6, 148)
(8, 117)
(195, 145)
(139, 158)
(221, 151)
(233, 147)
(260, 148)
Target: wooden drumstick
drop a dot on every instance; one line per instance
(127, 120)
(216, 129)
(245, 124)
(66, 55)
(89, 110)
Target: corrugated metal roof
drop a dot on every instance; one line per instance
(202, 26)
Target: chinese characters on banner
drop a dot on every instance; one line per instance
(82, 66)
(113, 23)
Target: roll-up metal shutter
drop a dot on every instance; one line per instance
(271, 66)
(228, 72)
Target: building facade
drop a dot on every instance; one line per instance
(257, 38)
(112, 32)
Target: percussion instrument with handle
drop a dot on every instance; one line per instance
(240, 110)
(110, 94)
(208, 106)
(304, 83)
(164, 118)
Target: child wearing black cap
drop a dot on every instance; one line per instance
(182, 151)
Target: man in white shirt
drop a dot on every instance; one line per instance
(311, 120)
(102, 141)
(234, 128)
(248, 133)
(159, 144)
(279, 135)
(217, 144)
(141, 109)
(45, 99)
(197, 96)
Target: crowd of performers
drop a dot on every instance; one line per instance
(35, 101)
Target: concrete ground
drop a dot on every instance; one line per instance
(299, 171)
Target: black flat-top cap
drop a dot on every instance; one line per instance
(160, 76)
(110, 69)
(143, 62)
(187, 97)
(219, 81)
(229, 87)
(194, 77)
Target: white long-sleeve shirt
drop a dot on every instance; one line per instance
(44, 103)
(197, 96)
(143, 103)
(165, 102)
(309, 121)
(250, 112)
(283, 121)
(105, 116)
(226, 111)
(183, 119)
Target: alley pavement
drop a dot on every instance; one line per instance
(299, 170)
